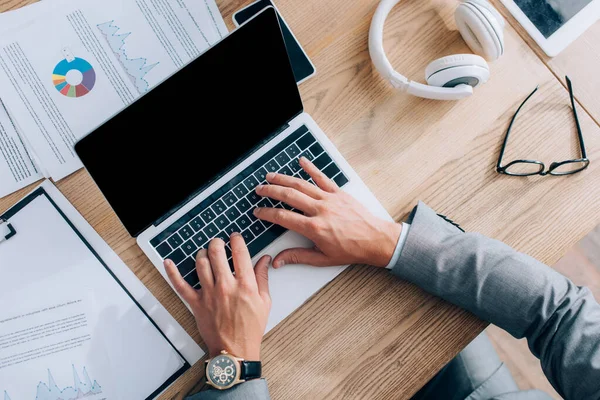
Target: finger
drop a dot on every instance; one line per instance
(302, 256)
(288, 219)
(204, 270)
(261, 270)
(295, 183)
(242, 261)
(218, 261)
(181, 286)
(320, 178)
(289, 196)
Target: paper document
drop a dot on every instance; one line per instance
(73, 330)
(85, 60)
(50, 347)
(17, 167)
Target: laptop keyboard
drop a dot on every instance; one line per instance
(229, 209)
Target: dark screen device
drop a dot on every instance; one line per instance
(301, 64)
(163, 149)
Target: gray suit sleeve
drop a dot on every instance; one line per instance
(513, 291)
(252, 390)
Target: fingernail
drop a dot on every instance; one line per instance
(270, 175)
(303, 159)
(259, 188)
(255, 211)
(234, 234)
(279, 264)
(168, 262)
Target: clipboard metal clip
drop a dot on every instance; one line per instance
(6, 230)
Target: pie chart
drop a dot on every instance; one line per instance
(75, 78)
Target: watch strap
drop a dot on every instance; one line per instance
(250, 370)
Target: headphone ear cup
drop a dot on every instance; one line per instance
(460, 69)
(480, 28)
(488, 6)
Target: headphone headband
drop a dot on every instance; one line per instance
(376, 50)
(385, 68)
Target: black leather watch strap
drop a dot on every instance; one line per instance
(251, 370)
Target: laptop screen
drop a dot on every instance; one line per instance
(195, 125)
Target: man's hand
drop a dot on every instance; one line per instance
(231, 310)
(342, 229)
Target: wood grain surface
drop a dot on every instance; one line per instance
(579, 61)
(366, 334)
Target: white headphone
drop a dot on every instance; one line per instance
(451, 77)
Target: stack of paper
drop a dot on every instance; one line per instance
(66, 66)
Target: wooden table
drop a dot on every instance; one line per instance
(368, 335)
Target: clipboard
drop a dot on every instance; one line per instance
(6, 230)
(134, 344)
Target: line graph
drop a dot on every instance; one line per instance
(136, 68)
(80, 389)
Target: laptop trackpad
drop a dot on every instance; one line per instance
(292, 285)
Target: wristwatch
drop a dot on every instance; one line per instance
(225, 371)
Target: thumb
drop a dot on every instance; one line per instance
(261, 270)
(302, 256)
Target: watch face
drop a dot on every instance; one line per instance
(222, 371)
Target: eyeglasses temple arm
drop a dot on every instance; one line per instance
(512, 121)
(579, 133)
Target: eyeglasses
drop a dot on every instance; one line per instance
(533, 167)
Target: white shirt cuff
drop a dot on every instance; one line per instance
(399, 246)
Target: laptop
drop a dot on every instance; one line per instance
(180, 165)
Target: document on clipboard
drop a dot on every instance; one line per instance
(75, 322)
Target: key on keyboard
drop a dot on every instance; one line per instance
(197, 224)
(221, 221)
(192, 278)
(233, 213)
(243, 205)
(292, 150)
(175, 241)
(186, 232)
(251, 183)
(253, 198)
(163, 249)
(200, 239)
(286, 171)
(229, 199)
(261, 175)
(211, 230)
(208, 215)
(240, 191)
(218, 207)
(187, 266)
(272, 166)
(248, 236)
(282, 158)
(232, 228)
(189, 247)
(257, 228)
(223, 236)
(316, 149)
(244, 221)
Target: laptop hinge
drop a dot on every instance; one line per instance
(277, 132)
(233, 165)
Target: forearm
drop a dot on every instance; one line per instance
(511, 290)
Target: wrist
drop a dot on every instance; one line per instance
(248, 355)
(386, 244)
